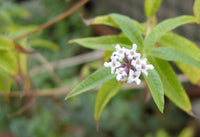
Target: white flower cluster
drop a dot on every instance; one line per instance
(127, 64)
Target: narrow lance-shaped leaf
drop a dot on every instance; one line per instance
(156, 87)
(8, 62)
(175, 41)
(94, 80)
(44, 43)
(129, 29)
(196, 9)
(109, 21)
(164, 27)
(103, 42)
(174, 55)
(171, 85)
(151, 6)
(107, 91)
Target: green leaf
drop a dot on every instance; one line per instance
(8, 62)
(164, 27)
(5, 81)
(151, 6)
(155, 85)
(107, 91)
(103, 42)
(109, 21)
(6, 44)
(171, 85)
(129, 29)
(172, 40)
(174, 55)
(96, 79)
(196, 9)
(44, 43)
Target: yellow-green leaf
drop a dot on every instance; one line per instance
(156, 87)
(163, 27)
(107, 91)
(8, 62)
(6, 44)
(182, 44)
(43, 43)
(5, 81)
(151, 6)
(196, 9)
(94, 80)
(171, 85)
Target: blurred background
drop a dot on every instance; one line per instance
(48, 114)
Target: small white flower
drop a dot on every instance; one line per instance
(127, 65)
(113, 64)
(120, 74)
(144, 66)
(132, 53)
(134, 76)
(120, 51)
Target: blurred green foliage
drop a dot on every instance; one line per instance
(126, 115)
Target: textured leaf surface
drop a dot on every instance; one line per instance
(8, 62)
(96, 79)
(155, 85)
(171, 54)
(151, 6)
(107, 91)
(196, 9)
(129, 29)
(164, 27)
(172, 40)
(103, 42)
(171, 85)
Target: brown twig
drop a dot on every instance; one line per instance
(55, 20)
(63, 90)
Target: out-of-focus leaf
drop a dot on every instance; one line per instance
(164, 27)
(129, 29)
(171, 54)
(5, 81)
(182, 44)
(23, 57)
(5, 17)
(107, 91)
(109, 21)
(187, 132)
(8, 62)
(94, 80)
(162, 133)
(6, 44)
(16, 30)
(171, 85)
(103, 42)
(151, 6)
(44, 43)
(156, 87)
(196, 9)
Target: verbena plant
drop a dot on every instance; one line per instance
(158, 44)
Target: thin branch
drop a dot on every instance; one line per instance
(64, 63)
(55, 20)
(48, 67)
(64, 91)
